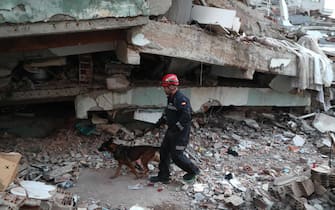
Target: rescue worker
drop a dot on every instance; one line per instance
(177, 116)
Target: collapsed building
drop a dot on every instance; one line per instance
(106, 55)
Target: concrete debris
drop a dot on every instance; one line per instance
(303, 187)
(237, 184)
(10, 201)
(319, 189)
(57, 200)
(83, 104)
(98, 120)
(263, 174)
(248, 160)
(324, 123)
(59, 171)
(148, 115)
(298, 141)
(234, 200)
(326, 142)
(252, 123)
(199, 187)
(216, 16)
(137, 207)
(117, 82)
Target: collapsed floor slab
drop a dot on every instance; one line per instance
(201, 98)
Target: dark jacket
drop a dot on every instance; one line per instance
(178, 113)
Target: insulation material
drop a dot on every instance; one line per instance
(323, 72)
(315, 69)
(33, 189)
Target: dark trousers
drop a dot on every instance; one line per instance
(173, 147)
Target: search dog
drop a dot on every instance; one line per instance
(128, 155)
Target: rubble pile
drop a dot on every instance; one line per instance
(242, 157)
(247, 160)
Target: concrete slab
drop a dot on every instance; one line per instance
(195, 44)
(324, 123)
(199, 97)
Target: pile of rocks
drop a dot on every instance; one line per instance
(242, 158)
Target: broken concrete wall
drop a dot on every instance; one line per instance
(24, 11)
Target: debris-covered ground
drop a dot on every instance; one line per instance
(248, 160)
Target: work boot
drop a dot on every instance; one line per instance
(164, 180)
(190, 177)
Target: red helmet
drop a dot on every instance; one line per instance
(170, 79)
